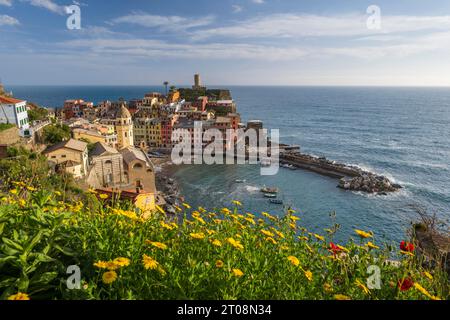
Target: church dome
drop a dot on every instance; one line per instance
(123, 112)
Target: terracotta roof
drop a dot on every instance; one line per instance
(70, 144)
(4, 99)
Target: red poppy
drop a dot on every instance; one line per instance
(334, 248)
(405, 284)
(406, 246)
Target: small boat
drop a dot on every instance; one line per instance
(240, 181)
(270, 195)
(276, 201)
(269, 190)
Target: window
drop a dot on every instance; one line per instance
(137, 166)
(108, 162)
(63, 156)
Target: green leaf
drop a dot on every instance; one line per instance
(44, 278)
(12, 244)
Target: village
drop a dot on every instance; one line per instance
(112, 146)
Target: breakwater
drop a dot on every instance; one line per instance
(350, 177)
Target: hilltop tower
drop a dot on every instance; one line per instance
(197, 82)
(124, 127)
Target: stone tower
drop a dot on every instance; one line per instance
(124, 128)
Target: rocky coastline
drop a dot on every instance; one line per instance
(350, 177)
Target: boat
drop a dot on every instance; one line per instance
(270, 195)
(276, 201)
(269, 190)
(240, 181)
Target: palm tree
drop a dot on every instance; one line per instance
(166, 83)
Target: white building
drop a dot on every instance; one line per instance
(14, 111)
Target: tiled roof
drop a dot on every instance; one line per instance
(101, 149)
(70, 144)
(4, 99)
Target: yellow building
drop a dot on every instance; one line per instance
(124, 128)
(71, 154)
(147, 131)
(93, 136)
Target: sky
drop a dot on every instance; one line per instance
(229, 42)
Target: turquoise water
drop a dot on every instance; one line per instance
(403, 133)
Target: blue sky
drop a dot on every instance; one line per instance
(242, 42)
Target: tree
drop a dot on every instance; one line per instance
(56, 133)
(37, 114)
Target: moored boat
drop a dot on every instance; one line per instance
(270, 195)
(269, 190)
(276, 201)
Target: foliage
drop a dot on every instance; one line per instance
(56, 133)
(217, 254)
(6, 126)
(37, 114)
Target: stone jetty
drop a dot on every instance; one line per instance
(350, 177)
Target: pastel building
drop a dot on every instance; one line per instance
(14, 111)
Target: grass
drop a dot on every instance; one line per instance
(6, 126)
(225, 253)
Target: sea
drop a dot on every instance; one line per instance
(402, 133)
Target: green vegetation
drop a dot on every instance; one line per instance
(37, 114)
(47, 225)
(6, 126)
(213, 94)
(56, 133)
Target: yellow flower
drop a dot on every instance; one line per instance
(248, 219)
(341, 297)
(167, 226)
(425, 292)
(121, 262)
(303, 238)
(160, 209)
(31, 188)
(199, 219)
(428, 275)
(219, 263)
(178, 208)
(238, 273)
(363, 234)
(199, 235)
(149, 262)
(294, 260)
(250, 215)
(291, 211)
(101, 264)
(201, 209)
(308, 275)
(236, 244)
(292, 225)
(309, 248)
(327, 287)
(109, 277)
(60, 194)
(19, 296)
(186, 206)
(270, 239)
(372, 246)
(319, 237)
(267, 233)
(225, 211)
(362, 286)
(156, 244)
(237, 203)
(103, 196)
(216, 243)
(343, 248)
(13, 191)
(294, 218)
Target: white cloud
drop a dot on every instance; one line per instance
(7, 3)
(165, 23)
(258, 1)
(236, 8)
(6, 20)
(49, 5)
(304, 25)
